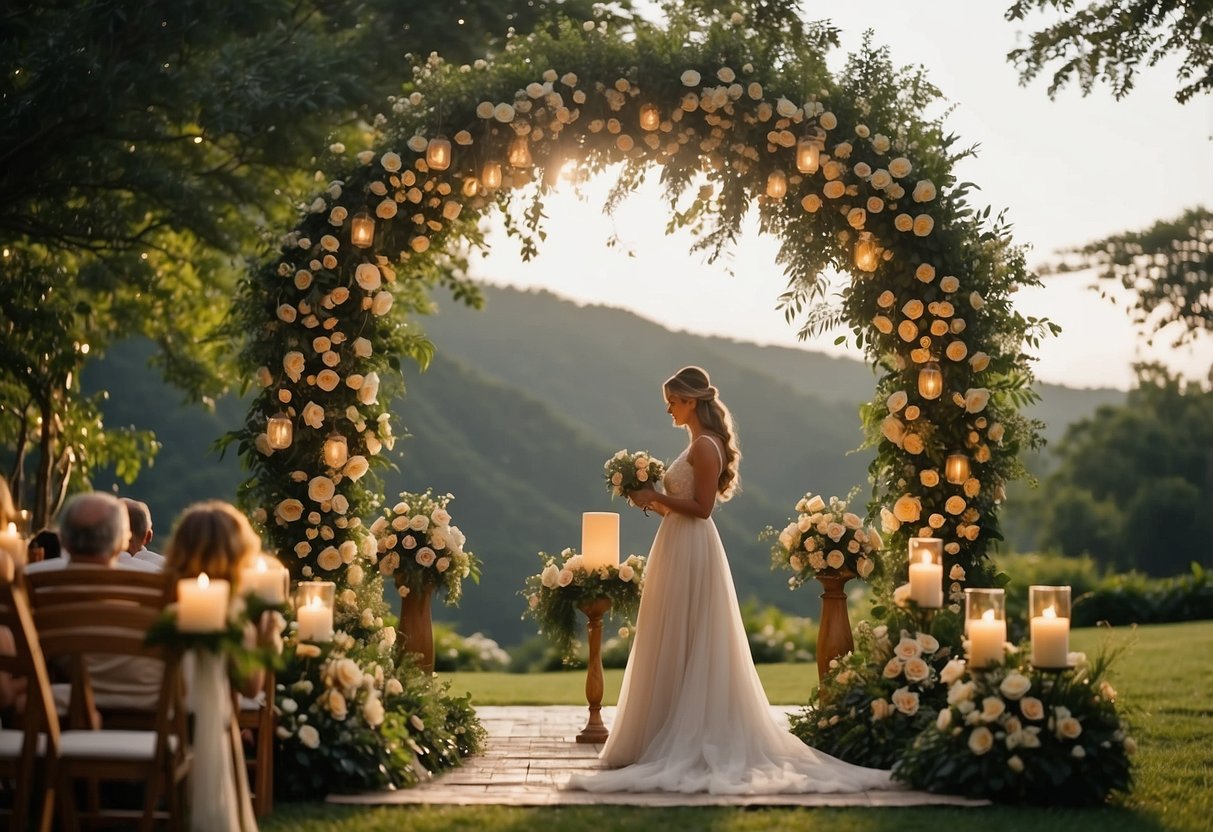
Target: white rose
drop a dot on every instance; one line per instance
(1032, 708)
(900, 167)
(313, 415)
(550, 576)
(564, 578)
(293, 363)
(390, 161)
(381, 303)
(327, 380)
(328, 559)
(690, 78)
(976, 399)
(626, 573)
(981, 740)
(372, 711)
(309, 736)
(425, 556)
(907, 648)
(917, 670)
(355, 467)
(924, 191)
(369, 392)
(1015, 685)
(368, 276)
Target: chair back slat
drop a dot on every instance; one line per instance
(77, 584)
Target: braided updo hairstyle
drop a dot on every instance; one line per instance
(693, 383)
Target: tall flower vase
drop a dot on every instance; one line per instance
(834, 635)
(594, 732)
(416, 627)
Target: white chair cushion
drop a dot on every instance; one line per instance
(120, 745)
(12, 741)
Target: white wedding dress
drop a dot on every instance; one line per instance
(693, 716)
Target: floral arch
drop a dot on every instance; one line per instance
(845, 170)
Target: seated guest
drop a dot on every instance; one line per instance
(140, 517)
(12, 691)
(43, 546)
(94, 529)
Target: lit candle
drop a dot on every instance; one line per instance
(12, 543)
(987, 639)
(600, 539)
(315, 621)
(926, 571)
(266, 578)
(314, 610)
(202, 604)
(1049, 608)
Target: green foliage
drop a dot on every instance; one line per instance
(1110, 40)
(1017, 735)
(1168, 267)
(1131, 489)
(1135, 599)
(776, 637)
(477, 652)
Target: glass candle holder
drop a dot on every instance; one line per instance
(280, 431)
(957, 468)
(266, 578)
(314, 610)
(1049, 617)
(986, 626)
(926, 571)
(362, 230)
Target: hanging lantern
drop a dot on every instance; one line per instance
(490, 176)
(520, 152)
(279, 430)
(957, 468)
(930, 381)
(867, 252)
(650, 117)
(362, 230)
(438, 153)
(336, 450)
(471, 186)
(777, 185)
(808, 155)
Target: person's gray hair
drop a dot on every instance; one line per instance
(93, 525)
(140, 517)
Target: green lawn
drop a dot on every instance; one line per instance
(1165, 681)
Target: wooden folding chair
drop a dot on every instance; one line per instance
(89, 584)
(261, 722)
(28, 755)
(158, 758)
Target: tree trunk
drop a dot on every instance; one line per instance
(44, 485)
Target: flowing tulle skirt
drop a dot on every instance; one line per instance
(693, 716)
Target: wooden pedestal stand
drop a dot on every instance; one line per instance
(416, 629)
(834, 635)
(594, 731)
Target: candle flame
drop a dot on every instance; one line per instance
(988, 615)
(314, 603)
(203, 581)
(1049, 612)
(926, 558)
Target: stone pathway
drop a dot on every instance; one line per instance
(531, 752)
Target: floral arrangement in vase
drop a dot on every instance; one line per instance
(1020, 735)
(564, 584)
(627, 472)
(420, 549)
(824, 537)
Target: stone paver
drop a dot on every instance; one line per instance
(531, 752)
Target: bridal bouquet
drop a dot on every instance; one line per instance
(554, 595)
(824, 538)
(628, 472)
(420, 549)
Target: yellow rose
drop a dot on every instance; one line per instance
(928, 477)
(833, 190)
(924, 224)
(972, 487)
(811, 203)
(883, 324)
(903, 222)
(912, 309)
(954, 505)
(981, 740)
(908, 330)
(925, 272)
(913, 443)
(289, 510)
(886, 299)
(907, 509)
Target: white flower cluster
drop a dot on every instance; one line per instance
(419, 547)
(825, 537)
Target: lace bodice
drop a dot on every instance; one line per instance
(679, 479)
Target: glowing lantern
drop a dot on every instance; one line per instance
(808, 156)
(336, 450)
(650, 117)
(280, 431)
(957, 468)
(867, 253)
(438, 154)
(362, 230)
(930, 381)
(490, 176)
(520, 152)
(777, 185)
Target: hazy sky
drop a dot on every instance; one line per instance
(1068, 171)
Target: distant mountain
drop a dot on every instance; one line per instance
(521, 407)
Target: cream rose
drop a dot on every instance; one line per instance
(834, 189)
(976, 399)
(924, 224)
(1015, 685)
(978, 361)
(425, 556)
(309, 736)
(913, 443)
(1068, 728)
(549, 576)
(293, 363)
(690, 78)
(903, 222)
(981, 740)
(907, 509)
(952, 671)
(811, 203)
(893, 430)
(925, 272)
(882, 324)
(320, 489)
(1032, 708)
(289, 510)
(907, 648)
(881, 709)
(896, 401)
(905, 701)
(928, 477)
(564, 578)
(917, 670)
(328, 559)
(355, 467)
(924, 191)
(956, 351)
(912, 309)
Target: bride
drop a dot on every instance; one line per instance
(692, 715)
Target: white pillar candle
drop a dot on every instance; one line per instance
(987, 640)
(265, 578)
(12, 543)
(926, 584)
(600, 539)
(202, 604)
(315, 621)
(1050, 639)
